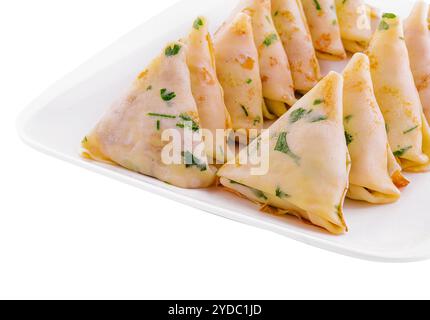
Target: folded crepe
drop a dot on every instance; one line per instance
(206, 89)
(375, 175)
(130, 134)
(290, 21)
(239, 73)
(397, 96)
(274, 66)
(417, 36)
(308, 161)
(324, 26)
(355, 24)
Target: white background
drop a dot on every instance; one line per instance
(69, 233)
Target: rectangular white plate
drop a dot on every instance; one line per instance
(56, 122)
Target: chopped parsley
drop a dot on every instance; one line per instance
(257, 120)
(258, 193)
(172, 50)
(389, 16)
(270, 39)
(149, 88)
(276, 13)
(317, 5)
(198, 23)
(244, 110)
(298, 114)
(348, 118)
(84, 140)
(158, 125)
(338, 211)
(188, 122)
(282, 146)
(192, 161)
(249, 81)
(318, 101)
(166, 95)
(384, 25)
(401, 152)
(167, 116)
(349, 138)
(410, 130)
(280, 194)
(320, 118)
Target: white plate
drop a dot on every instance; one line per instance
(56, 122)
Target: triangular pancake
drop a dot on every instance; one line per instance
(371, 178)
(324, 26)
(398, 97)
(207, 90)
(308, 161)
(239, 73)
(290, 21)
(355, 23)
(274, 66)
(130, 134)
(417, 36)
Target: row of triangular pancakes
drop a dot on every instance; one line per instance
(309, 162)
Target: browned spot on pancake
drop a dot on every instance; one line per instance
(246, 62)
(399, 180)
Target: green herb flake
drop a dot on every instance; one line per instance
(149, 88)
(411, 129)
(192, 161)
(244, 110)
(84, 140)
(259, 194)
(158, 125)
(401, 152)
(198, 23)
(249, 81)
(282, 146)
(334, 22)
(268, 19)
(344, 1)
(270, 39)
(349, 138)
(402, 38)
(166, 95)
(338, 211)
(318, 102)
(280, 194)
(348, 118)
(317, 5)
(383, 26)
(276, 13)
(389, 16)
(188, 122)
(298, 114)
(320, 118)
(172, 50)
(257, 120)
(160, 115)
(235, 182)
